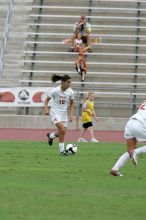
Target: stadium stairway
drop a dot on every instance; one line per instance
(117, 63)
(116, 66)
(14, 55)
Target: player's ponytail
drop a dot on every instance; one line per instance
(56, 78)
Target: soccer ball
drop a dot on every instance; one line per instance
(71, 148)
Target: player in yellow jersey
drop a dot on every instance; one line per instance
(87, 114)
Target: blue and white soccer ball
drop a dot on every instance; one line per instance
(71, 149)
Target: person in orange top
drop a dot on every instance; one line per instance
(80, 64)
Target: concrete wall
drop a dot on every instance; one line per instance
(43, 122)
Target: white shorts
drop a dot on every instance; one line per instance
(58, 116)
(135, 128)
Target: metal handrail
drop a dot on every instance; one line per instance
(5, 36)
(88, 83)
(60, 7)
(89, 63)
(105, 36)
(74, 53)
(117, 74)
(99, 44)
(94, 26)
(92, 17)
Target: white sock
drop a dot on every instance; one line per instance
(140, 150)
(125, 157)
(121, 161)
(52, 135)
(61, 147)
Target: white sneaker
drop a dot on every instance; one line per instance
(82, 140)
(94, 140)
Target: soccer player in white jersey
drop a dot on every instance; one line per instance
(135, 130)
(61, 97)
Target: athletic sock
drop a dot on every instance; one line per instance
(52, 135)
(61, 147)
(140, 150)
(125, 157)
(121, 161)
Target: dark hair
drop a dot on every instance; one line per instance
(64, 78)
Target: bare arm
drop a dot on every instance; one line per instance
(46, 107)
(86, 48)
(94, 114)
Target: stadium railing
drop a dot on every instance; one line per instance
(99, 44)
(89, 54)
(71, 17)
(78, 8)
(94, 27)
(113, 36)
(122, 74)
(128, 85)
(89, 63)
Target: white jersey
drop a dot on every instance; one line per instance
(60, 99)
(78, 42)
(141, 113)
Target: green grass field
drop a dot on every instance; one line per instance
(38, 184)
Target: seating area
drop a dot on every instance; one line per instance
(15, 45)
(116, 67)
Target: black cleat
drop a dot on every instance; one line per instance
(71, 49)
(50, 140)
(115, 173)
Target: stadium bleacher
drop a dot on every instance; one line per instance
(116, 66)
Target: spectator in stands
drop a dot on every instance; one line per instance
(78, 43)
(80, 64)
(61, 96)
(83, 27)
(135, 130)
(87, 114)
